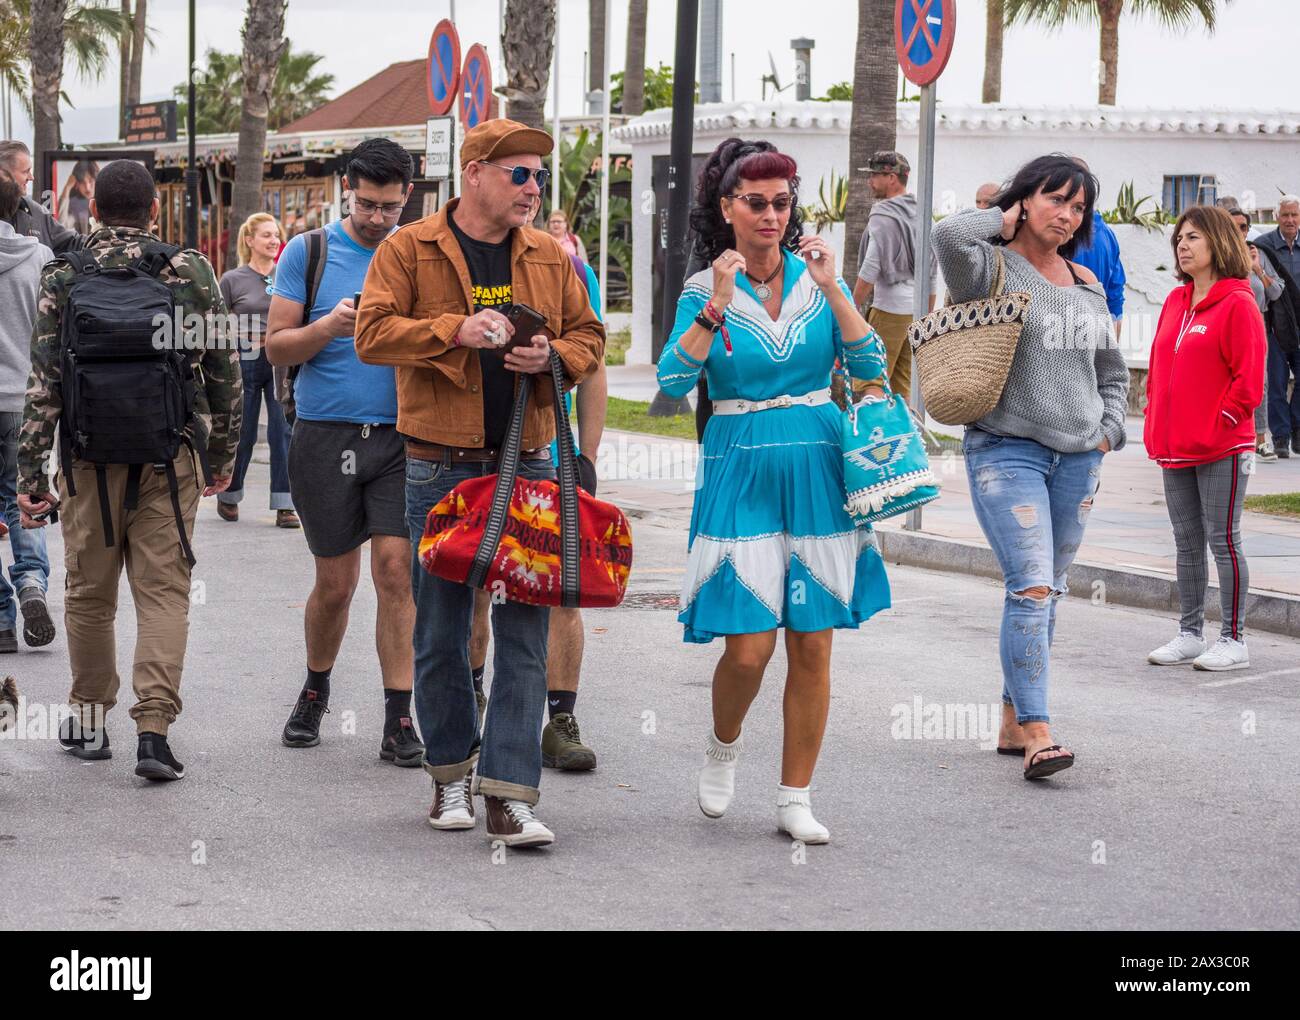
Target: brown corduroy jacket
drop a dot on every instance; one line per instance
(418, 293)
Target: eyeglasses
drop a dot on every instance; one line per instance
(758, 203)
(368, 208)
(519, 174)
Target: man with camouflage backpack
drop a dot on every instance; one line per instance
(128, 360)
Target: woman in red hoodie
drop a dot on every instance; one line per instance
(1204, 383)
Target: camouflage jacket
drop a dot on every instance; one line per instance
(219, 400)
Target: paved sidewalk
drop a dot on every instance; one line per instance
(1129, 527)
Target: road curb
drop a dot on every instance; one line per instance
(1277, 613)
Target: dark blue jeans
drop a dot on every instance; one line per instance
(31, 566)
(1283, 414)
(509, 754)
(259, 385)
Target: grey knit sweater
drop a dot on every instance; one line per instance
(1068, 385)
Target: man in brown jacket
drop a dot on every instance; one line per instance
(434, 307)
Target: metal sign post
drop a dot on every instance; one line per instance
(923, 37)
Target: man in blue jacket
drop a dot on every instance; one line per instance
(1102, 257)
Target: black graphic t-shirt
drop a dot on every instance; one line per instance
(489, 276)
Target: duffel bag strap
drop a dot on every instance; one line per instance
(507, 471)
(570, 546)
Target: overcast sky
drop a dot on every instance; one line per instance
(1234, 68)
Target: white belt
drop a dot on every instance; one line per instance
(813, 399)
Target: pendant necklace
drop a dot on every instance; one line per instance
(761, 288)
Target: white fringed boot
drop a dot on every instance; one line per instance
(794, 815)
(717, 782)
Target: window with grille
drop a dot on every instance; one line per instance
(1183, 190)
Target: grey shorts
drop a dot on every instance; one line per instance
(348, 482)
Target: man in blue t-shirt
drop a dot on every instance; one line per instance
(347, 464)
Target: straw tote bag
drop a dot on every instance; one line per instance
(963, 352)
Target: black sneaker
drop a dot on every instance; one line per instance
(38, 627)
(1295, 445)
(154, 759)
(303, 727)
(402, 747)
(1282, 449)
(8, 640)
(86, 744)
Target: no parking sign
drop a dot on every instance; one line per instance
(443, 68)
(475, 87)
(923, 35)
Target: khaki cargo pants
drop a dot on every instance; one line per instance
(893, 331)
(147, 541)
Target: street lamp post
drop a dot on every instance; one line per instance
(191, 165)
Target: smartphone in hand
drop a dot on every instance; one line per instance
(528, 322)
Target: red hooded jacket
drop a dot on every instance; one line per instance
(1206, 376)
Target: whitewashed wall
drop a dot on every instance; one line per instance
(1253, 155)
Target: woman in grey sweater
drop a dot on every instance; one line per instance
(1034, 461)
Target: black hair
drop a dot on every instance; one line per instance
(1048, 174)
(124, 191)
(10, 196)
(379, 161)
(719, 177)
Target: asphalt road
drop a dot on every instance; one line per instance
(1181, 811)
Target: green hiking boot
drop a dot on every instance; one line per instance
(562, 746)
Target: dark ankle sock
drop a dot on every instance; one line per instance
(397, 705)
(478, 678)
(560, 701)
(318, 680)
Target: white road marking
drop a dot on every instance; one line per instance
(1248, 679)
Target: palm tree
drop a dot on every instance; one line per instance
(595, 45)
(874, 122)
(48, 30)
(14, 61)
(298, 90)
(264, 45)
(994, 23)
(527, 40)
(47, 47)
(1175, 14)
(634, 67)
(131, 49)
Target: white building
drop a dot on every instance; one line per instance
(1175, 156)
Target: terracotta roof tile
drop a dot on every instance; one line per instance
(396, 95)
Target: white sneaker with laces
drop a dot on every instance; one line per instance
(794, 815)
(717, 782)
(1226, 654)
(1184, 648)
(453, 807)
(515, 823)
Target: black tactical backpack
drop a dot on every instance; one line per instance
(128, 384)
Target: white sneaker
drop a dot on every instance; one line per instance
(453, 807)
(1226, 654)
(717, 782)
(1184, 648)
(794, 815)
(514, 823)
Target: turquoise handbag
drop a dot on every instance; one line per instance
(886, 470)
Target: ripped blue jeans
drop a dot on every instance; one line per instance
(1032, 504)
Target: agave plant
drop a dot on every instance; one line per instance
(833, 200)
(1128, 209)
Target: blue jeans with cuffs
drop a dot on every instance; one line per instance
(1032, 504)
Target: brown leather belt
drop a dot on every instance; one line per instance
(466, 454)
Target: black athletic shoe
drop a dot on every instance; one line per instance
(38, 628)
(1295, 445)
(154, 759)
(303, 727)
(8, 640)
(88, 745)
(1282, 449)
(403, 747)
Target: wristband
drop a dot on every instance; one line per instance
(710, 324)
(455, 341)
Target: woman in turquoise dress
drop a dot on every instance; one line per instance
(771, 545)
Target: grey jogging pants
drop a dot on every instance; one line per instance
(1205, 507)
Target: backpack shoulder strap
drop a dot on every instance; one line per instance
(83, 262)
(156, 255)
(317, 250)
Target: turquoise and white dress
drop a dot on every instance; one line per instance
(770, 542)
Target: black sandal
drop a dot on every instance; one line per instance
(1043, 769)
(1012, 750)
